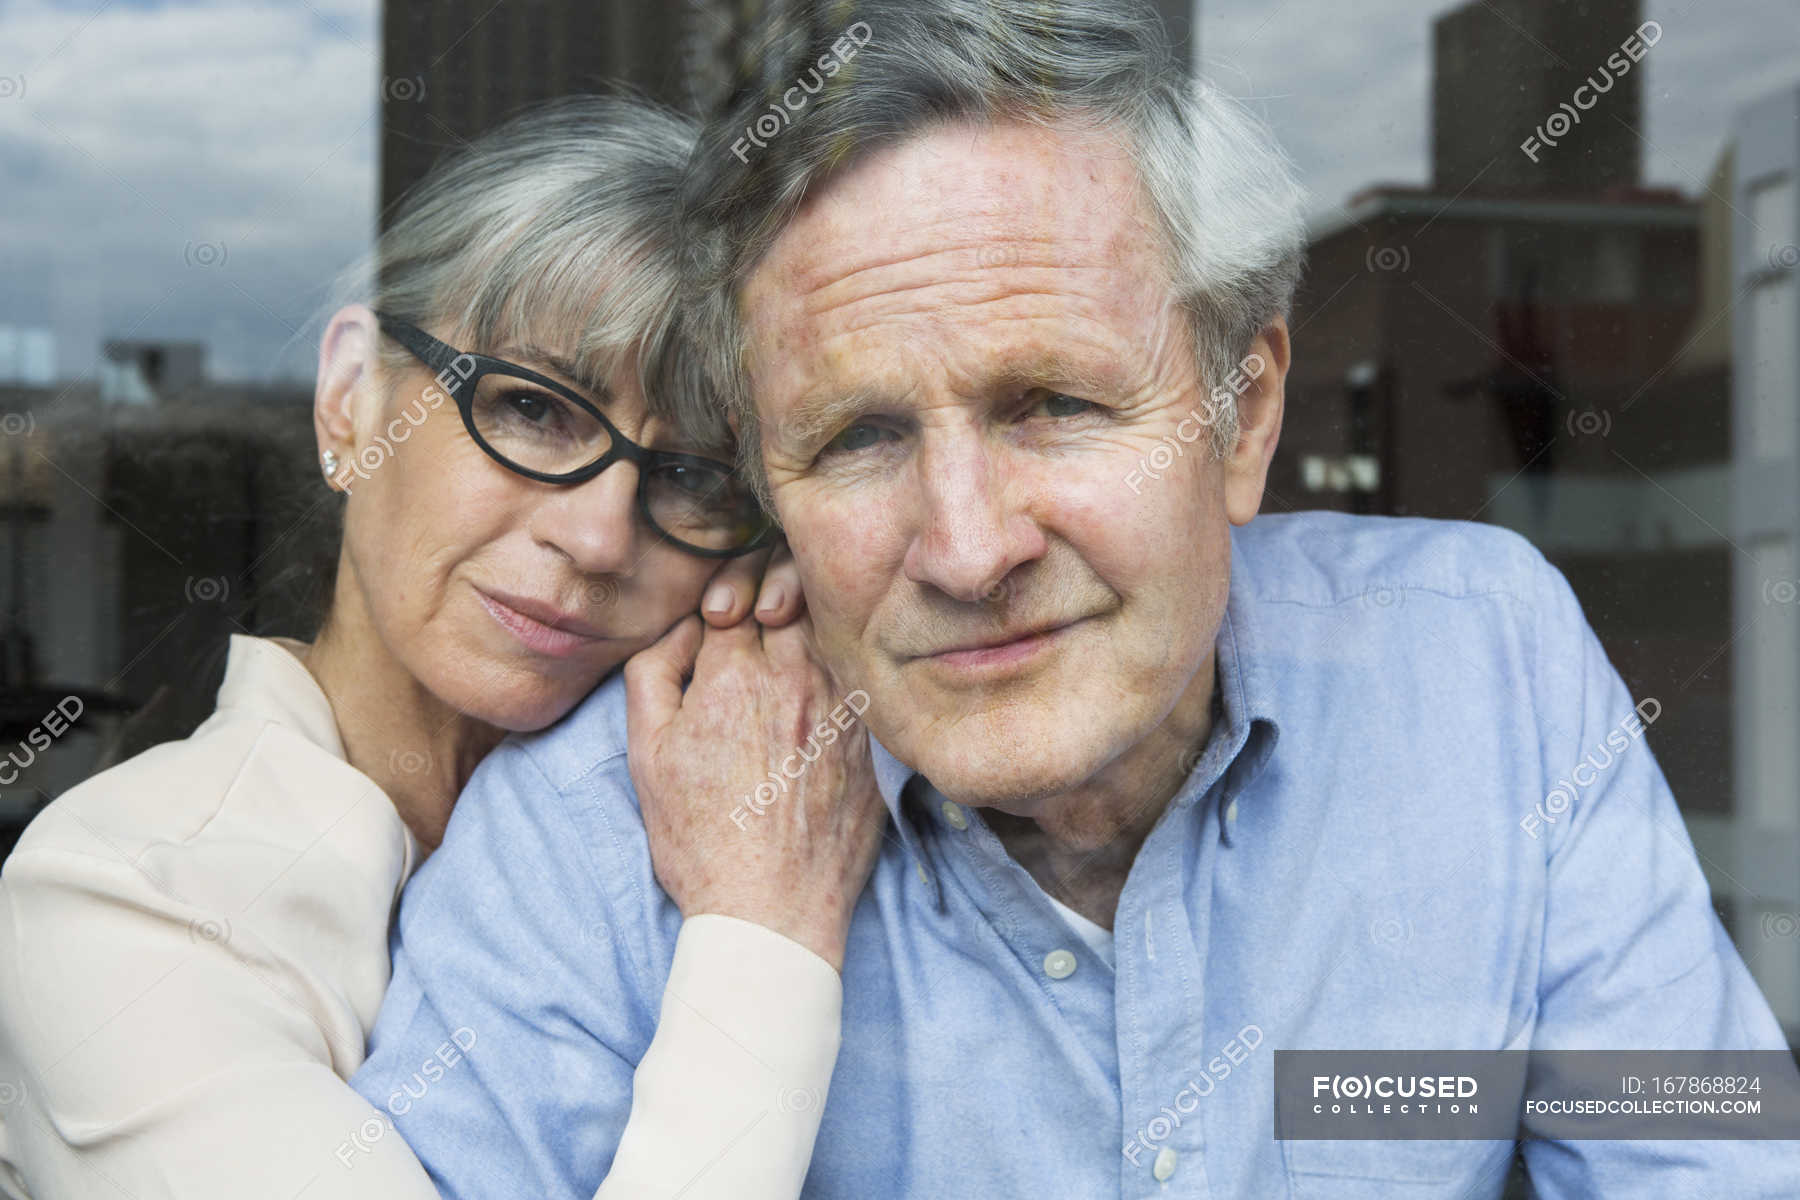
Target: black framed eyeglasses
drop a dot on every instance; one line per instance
(538, 428)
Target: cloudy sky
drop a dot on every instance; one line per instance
(204, 169)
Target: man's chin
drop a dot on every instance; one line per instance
(1005, 767)
(1012, 743)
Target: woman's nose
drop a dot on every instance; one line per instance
(594, 524)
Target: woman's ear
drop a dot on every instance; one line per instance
(348, 354)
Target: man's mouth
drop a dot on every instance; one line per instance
(997, 651)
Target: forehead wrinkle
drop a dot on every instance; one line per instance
(799, 292)
(988, 203)
(971, 290)
(820, 284)
(1012, 307)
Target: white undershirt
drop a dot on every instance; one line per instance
(1098, 937)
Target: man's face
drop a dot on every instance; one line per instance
(964, 350)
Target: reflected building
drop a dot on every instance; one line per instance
(1540, 341)
(1502, 67)
(1758, 267)
(145, 516)
(135, 372)
(454, 68)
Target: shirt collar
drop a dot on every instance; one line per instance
(265, 679)
(1239, 746)
(1244, 731)
(891, 779)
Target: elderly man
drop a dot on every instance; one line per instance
(998, 306)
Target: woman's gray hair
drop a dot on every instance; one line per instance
(554, 230)
(1221, 187)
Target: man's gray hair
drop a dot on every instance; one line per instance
(1221, 188)
(554, 230)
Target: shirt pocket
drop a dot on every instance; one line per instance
(1352, 1170)
(1400, 1170)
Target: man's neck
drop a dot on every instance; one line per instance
(1079, 846)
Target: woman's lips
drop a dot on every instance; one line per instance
(568, 636)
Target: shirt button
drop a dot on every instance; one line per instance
(1059, 964)
(1164, 1166)
(953, 813)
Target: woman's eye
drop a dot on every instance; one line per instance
(859, 436)
(532, 406)
(694, 481)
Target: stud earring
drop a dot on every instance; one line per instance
(329, 461)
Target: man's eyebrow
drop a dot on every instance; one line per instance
(815, 419)
(819, 417)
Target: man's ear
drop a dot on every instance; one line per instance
(348, 354)
(1260, 408)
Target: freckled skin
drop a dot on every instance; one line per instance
(1000, 291)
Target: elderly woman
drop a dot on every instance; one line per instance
(194, 943)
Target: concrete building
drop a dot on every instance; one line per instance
(134, 539)
(1761, 264)
(1609, 370)
(454, 68)
(137, 372)
(1501, 68)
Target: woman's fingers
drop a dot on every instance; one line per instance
(769, 577)
(755, 783)
(780, 601)
(654, 677)
(734, 585)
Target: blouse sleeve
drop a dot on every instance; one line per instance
(186, 986)
(155, 1050)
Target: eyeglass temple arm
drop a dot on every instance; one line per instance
(433, 353)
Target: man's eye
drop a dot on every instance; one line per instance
(859, 436)
(1057, 404)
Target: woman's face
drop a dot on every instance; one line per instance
(506, 598)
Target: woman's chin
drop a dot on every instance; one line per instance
(527, 714)
(520, 699)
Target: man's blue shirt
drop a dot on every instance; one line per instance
(1412, 827)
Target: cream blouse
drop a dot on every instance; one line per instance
(193, 946)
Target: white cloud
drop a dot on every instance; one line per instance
(150, 144)
(1346, 88)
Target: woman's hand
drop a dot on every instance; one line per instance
(756, 783)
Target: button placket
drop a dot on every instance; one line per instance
(1161, 1000)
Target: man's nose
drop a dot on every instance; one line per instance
(594, 524)
(973, 528)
